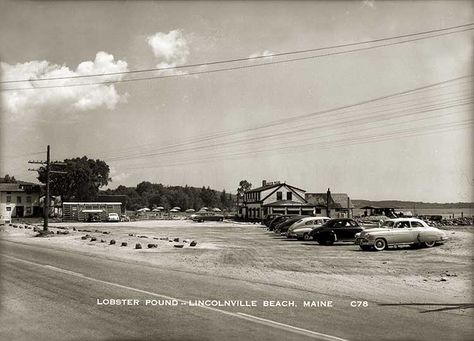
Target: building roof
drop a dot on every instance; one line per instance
(17, 186)
(262, 188)
(273, 185)
(91, 203)
(319, 199)
(287, 203)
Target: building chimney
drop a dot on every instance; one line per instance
(264, 182)
(328, 208)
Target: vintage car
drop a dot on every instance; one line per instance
(283, 227)
(268, 219)
(113, 217)
(334, 230)
(400, 231)
(278, 220)
(207, 216)
(301, 228)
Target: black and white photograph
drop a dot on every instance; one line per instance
(236, 170)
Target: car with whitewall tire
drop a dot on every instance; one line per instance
(400, 231)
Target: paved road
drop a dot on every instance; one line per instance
(51, 294)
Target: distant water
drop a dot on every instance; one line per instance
(445, 213)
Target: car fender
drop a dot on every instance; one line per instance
(427, 236)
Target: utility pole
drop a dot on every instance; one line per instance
(47, 166)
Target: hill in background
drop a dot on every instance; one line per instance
(358, 203)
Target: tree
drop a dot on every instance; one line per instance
(81, 181)
(8, 179)
(244, 186)
(224, 199)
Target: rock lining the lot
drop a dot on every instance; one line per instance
(138, 246)
(152, 246)
(112, 242)
(124, 244)
(193, 243)
(179, 246)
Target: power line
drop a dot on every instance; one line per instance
(230, 68)
(241, 59)
(301, 128)
(314, 114)
(292, 119)
(276, 135)
(327, 145)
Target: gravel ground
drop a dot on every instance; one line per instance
(442, 274)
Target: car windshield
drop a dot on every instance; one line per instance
(387, 224)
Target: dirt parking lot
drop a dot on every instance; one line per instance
(249, 252)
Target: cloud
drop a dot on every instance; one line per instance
(19, 104)
(171, 49)
(265, 53)
(369, 3)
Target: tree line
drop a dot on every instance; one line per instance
(81, 179)
(151, 195)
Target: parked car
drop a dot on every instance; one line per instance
(282, 227)
(341, 229)
(278, 220)
(93, 217)
(301, 228)
(400, 231)
(207, 216)
(113, 217)
(268, 219)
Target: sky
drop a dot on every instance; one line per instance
(387, 122)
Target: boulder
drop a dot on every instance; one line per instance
(152, 246)
(112, 242)
(138, 246)
(180, 246)
(193, 243)
(176, 240)
(124, 244)
(93, 239)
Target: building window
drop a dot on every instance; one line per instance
(18, 200)
(9, 208)
(28, 199)
(289, 196)
(9, 198)
(28, 210)
(279, 195)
